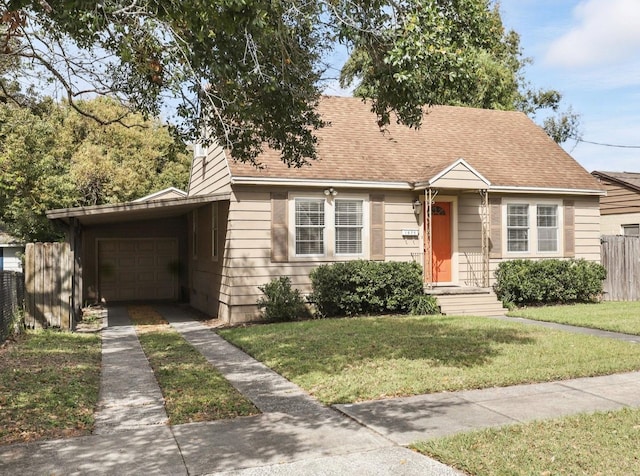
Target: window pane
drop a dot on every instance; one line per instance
(348, 222)
(517, 240)
(547, 239)
(547, 215)
(518, 216)
(631, 230)
(547, 220)
(518, 228)
(309, 227)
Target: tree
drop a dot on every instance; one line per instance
(53, 157)
(250, 71)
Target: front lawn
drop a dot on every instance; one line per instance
(600, 443)
(349, 360)
(609, 316)
(48, 385)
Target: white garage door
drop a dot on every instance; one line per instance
(138, 269)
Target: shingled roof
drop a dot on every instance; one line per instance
(505, 147)
(627, 179)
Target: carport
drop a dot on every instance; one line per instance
(135, 251)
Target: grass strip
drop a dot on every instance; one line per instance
(602, 443)
(193, 389)
(349, 360)
(49, 384)
(609, 316)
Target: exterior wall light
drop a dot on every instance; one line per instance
(330, 191)
(417, 206)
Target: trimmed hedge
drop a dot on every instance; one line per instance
(360, 287)
(549, 281)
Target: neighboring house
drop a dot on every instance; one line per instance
(467, 190)
(11, 251)
(620, 209)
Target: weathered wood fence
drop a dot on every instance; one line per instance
(620, 255)
(48, 285)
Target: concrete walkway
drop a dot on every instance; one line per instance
(295, 434)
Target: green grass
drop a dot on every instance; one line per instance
(601, 443)
(348, 360)
(610, 316)
(49, 385)
(193, 389)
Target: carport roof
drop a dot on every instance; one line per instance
(134, 211)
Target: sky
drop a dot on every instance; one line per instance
(588, 50)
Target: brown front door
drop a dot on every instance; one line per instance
(441, 242)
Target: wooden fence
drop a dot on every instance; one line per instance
(620, 256)
(49, 285)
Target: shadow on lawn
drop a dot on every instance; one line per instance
(333, 345)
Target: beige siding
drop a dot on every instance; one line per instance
(247, 261)
(587, 230)
(459, 177)
(399, 216)
(210, 174)
(612, 224)
(469, 240)
(619, 199)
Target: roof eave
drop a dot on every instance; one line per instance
(321, 182)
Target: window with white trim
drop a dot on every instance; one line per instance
(329, 227)
(547, 221)
(517, 227)
(533, 228)
(309, 226)
(348, 222)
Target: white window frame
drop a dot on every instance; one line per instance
(532, 242)
(329, 234)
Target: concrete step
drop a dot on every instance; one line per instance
(485, 304)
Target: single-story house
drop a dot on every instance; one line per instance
(620, 208)
(467, 190)
(11, 251)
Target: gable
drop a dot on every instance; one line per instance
(459, 175)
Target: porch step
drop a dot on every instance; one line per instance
(473, 304)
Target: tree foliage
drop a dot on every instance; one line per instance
(250, 71)
(53, 157)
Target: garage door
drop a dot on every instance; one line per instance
(138, 269)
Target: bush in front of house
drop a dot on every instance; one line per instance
(360, 287)
(424, 305)
(281, 302)
(549, 281)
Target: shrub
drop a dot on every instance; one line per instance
(549, 281)
(424, 304)
(281, 302)
(359, 287)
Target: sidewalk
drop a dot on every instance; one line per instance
(295, 434)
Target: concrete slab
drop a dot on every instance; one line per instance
(269, 439)
(380, 462)
(407, 420)
(129, 393)
(149, 451)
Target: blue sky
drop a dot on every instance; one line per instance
(589, 50)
